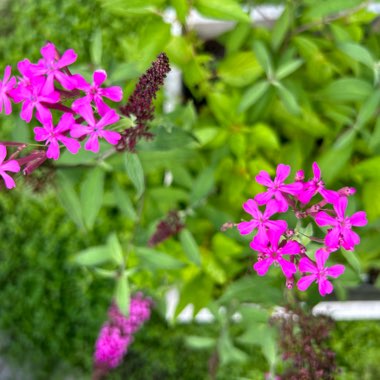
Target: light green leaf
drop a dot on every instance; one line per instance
(131, 7)
(323, 8)
(228, 353)
(200, 342)
(288, 68)
(122, 294)
(190, 246)
(346, 89)
(375, 138)
(290, 102)
(91, 195)
(224, 10)
(249, 69)
(280, 28)
(182, 9)
(358, 53)
(135, 172)
(69, 199)
(96, 48)
(93, 256)
(269, 349)
(157, 260)
(368, 109)
(368, 169)
(253, 94)
(202, 185)
(352, 259)
(115, 249)
(263, 57)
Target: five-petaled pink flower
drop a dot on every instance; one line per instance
(95, 93)
(261, 220)
(53, 135)
(272, 251)
(95, 128)
(7, 166)
(314, 186)
(52, 64)
(341, 233)
(6, 87)
(319, 272)
(277, 187)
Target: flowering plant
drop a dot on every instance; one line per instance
(280, 245)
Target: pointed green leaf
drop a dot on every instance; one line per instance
(200, 342)
(358, 53)
(202, 185)
(290, 102)
(182, 9)
(91, 195)
(280, 28)
(368, 109)
(123, 202)
(122, 294)
(263, 57)
(228, 353)
(190, 246)
(135, 172)
(115, 249)
(156, 260)
(224, 10)
(346, 89)
(69, 199)
(253, 94)
(288, 68)
(323, 8)
(93, 256)
(352, 259)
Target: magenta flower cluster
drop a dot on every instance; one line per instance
(46, 91)
(279, 245)
(117, 333)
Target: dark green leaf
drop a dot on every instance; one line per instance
(202, 185)
(123, 202)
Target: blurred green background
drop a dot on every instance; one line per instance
(296, 89)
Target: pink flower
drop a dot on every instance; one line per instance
(270, 251)
(261, 220)
(111, 346)
(341, 233)
(277, 188)
(6, 87)
(51, 65)
(34, 96)
(314, 186)
(319, 272)
(95, 128)
(53, 135)
(95, 93)
(7, 166)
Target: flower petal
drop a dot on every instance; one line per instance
(290, 248)
(287, 268)
(263, 198)
(321, 256)
(306, 265)
(316, 171)
(114, 93)
(335, 270)
(325, 287)
(340, 206)
(324, 219)
(261, 267)
(251, 208)
(358, 219)
(263, 178)
(282, 172)
(3, 153)
(9, 181)
(305, 281)
(11, 166)
(350, 239)
(100, 76)
(247, 227)
(332, 238)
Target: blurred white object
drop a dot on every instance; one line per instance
(349, 310)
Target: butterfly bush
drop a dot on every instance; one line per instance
(66, 110)
(279, 245)
(117, 334)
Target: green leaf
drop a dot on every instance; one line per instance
(346, 89)
(253, 94)
(157, 260)
(288, 99)
(352, 259)
(224, 10)
(202, 185)
(96, 48)
(375, 138)
(135, 172)
(368, 169)
(368, 109)
(371, 199)
(123, 202)
(280, 28)
(323, 8)
(69, 199)
(190, 246)
(122, 294)
(93, 256)
(228, 353)
(288, 68)
(249, 69)
(115, 249)
(131, 7)
(182, 9)
(174, 138)
(268, 347)
(200, 342)
(91, 195)
(263, 57)
(358, 53)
